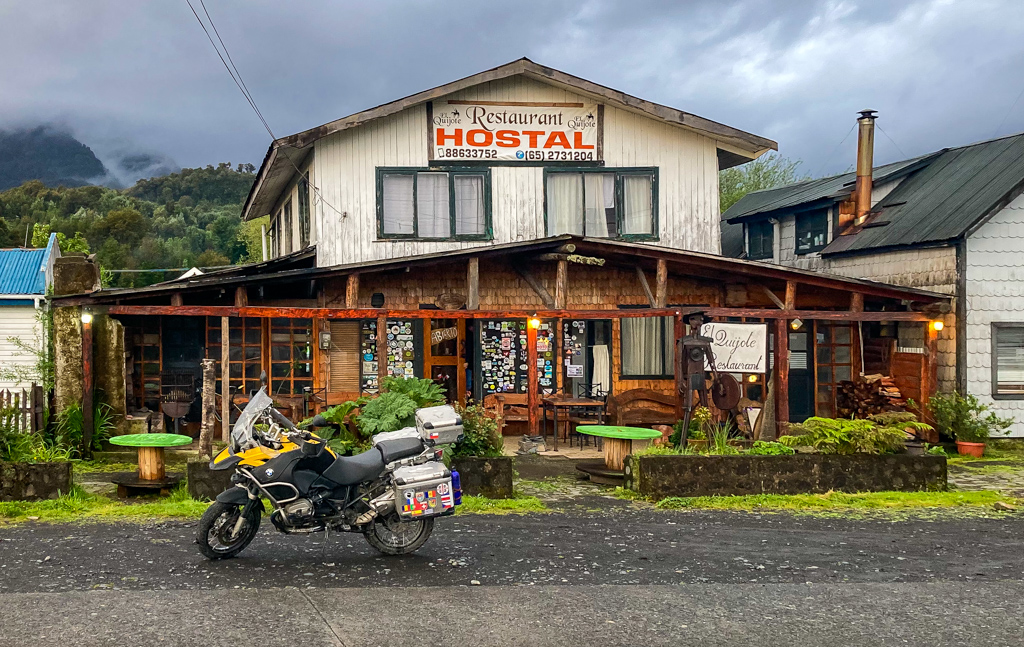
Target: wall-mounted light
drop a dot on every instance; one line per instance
(86, 317)
(937, 326)
(751, 378)
(796, 324)
(534, 323)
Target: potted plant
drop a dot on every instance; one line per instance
(967, 420)
(483, 468)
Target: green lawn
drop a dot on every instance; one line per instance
(518, 504)
(79, 505)
(840, 501)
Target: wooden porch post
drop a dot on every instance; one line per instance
(790, 295)
(473, 284)
(87, 381)
(661, 284)
(352, 291)
(225, 379)
(680, 331)
(382, 350)
(929, 377)
(782, 374)
(532, 402)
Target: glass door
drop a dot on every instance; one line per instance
(444, 356)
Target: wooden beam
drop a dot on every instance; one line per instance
(352, 291)
(856, 302)
(781, 375)
(572, 258)
(473, 284)
(647, 288)
(561, 284)
(790, 295)
(87, 390)
(776, 300)
(382, 350)
(364, 313)
(680, 331)
(661, 284)
(532, 281)
(241, 296)
(532, 381)
(177, 300)
(225, 379)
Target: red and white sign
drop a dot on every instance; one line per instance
(513, 133)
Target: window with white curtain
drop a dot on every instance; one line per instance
(647, 347)
(602, 203)
(1008, 360)
(433, 205)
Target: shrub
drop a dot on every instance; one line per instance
(963, 417)
(389, 411)
(423, 392)
(770, 448)
(838, 436)
(700, 419)
(481, 433)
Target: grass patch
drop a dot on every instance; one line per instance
(518, 504)
(833, 501)
(79, 505)
(93, 467)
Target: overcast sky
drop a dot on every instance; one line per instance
(141, 76)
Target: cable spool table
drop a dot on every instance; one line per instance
(152, 474)
(618, 443)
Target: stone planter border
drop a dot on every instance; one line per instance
(34, 481)
(488, 477)
(684, 476)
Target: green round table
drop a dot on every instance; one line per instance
(618, 441)
(151, 452)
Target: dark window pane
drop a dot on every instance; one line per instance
(843, 355)
(235, 353)
(811, 231)
(843, 373)
(841, 334)
(252, 335)
(281, 369)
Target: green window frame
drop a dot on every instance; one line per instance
(760, 240)
(621, 176)
(452, 175)
(811, 231)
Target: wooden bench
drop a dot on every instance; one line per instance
(507, 407)
(641, 408)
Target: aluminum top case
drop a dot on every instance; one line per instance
(408, 432)
(439, 425)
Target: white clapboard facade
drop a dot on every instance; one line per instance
(25, 276)
(516, 153)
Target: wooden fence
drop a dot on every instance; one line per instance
(22, 410)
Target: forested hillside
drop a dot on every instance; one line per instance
(189, 218)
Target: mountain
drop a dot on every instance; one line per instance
(50, 156)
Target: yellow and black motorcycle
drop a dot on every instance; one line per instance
(391, 493)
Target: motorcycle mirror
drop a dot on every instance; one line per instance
(263, 378)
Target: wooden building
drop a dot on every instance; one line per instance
(420, 237)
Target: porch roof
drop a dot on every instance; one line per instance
(680, 262)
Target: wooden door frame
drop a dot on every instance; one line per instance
(457, 360)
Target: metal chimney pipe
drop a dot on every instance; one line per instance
(865, 163)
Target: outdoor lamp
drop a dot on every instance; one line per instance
(937, 326)
(752, 378)
(534, 322)
(796, 324)
(86, 317)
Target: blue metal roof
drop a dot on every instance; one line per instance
(23, 271)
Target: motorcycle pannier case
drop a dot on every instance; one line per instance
(408, 432)
(439, 425)
(423, 491)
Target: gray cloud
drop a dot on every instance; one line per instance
(941, 72)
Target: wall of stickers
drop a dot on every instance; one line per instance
(503, 357)
(404, 350)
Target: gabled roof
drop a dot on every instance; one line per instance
(23, 271)
(286, 153)
(808, 192)
(942, 197)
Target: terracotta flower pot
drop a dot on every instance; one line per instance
(970, 449)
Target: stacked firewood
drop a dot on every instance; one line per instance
(867, 396)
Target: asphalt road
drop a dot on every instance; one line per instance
(633, 577)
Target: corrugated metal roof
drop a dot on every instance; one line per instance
(23, 271)
(802, 193)
(943, 200)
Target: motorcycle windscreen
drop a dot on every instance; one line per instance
(241, 433)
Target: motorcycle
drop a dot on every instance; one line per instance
(391, 493)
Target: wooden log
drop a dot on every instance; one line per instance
(87, 387)
(225, 379)
(776, 300)
(856, 302)
(473, 284)
(790, 295)
(661, 284)
(561, 284)
(647, 288)
(532, 281)
(209, 408)
(615, 452)
(352, 291)
(241, 296)
(679, 331)
(151, 463)
(177, 300)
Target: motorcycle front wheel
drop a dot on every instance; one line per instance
(216, 535)
(392, 536)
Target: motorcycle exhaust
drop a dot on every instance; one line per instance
(379, 506)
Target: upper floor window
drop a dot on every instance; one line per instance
(434, 205)
(760, 240)
(303, 198)
(286, 239)
(602, 203)
(275, 236)
(811, 231)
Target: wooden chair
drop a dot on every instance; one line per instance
(507, 407)
(641, 408)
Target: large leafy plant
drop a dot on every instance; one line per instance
(839, 436)
(423, 392)
(965, 418)
(481, 435)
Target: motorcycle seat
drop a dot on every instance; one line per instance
(349, 470)
(399, 448)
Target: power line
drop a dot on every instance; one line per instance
(832, 154)
(891, 140)
(1013, 105)
(236, 76)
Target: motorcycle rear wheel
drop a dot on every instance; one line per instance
(214, 535)
(392, 536)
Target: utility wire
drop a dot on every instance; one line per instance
(240, 84)
(891, 140)
(833, 153)
(1013, 105)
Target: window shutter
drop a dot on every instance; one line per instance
(345, 357)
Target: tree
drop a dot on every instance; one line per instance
(766, 172)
